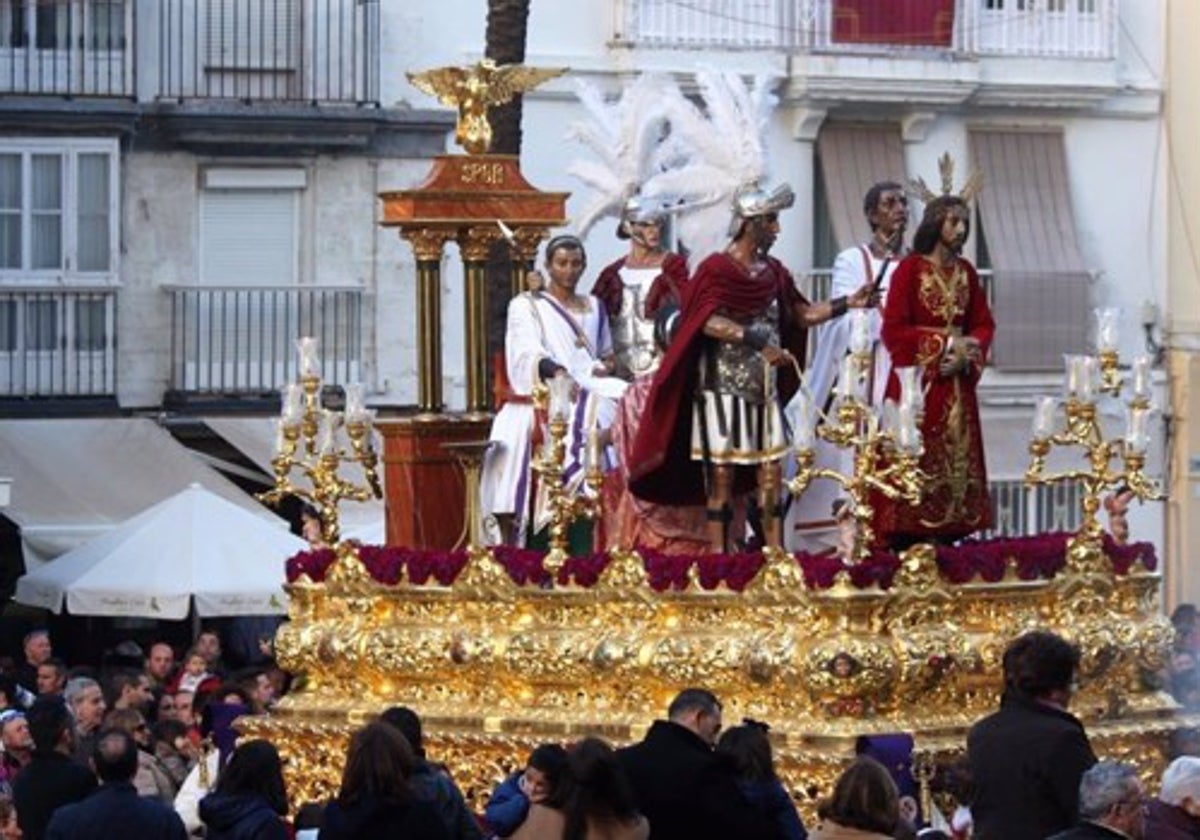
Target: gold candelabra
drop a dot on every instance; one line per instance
(886, 456)
(564, 504)
(1087, 378)
(307, 442)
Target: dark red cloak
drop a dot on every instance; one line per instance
(661, 468)
(667, 286)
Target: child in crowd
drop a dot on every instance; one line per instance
(195, 676)
(509, 804)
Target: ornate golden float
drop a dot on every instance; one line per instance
(500, 650)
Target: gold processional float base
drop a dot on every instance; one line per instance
(495, 668)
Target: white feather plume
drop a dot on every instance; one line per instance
(712, 154)
(623, 136)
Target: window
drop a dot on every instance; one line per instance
(58, 216)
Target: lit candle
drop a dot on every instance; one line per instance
(1043, 418)
(292, 411)
(1106, 328)
(310, 365)
(860, 331)
(1141, 377)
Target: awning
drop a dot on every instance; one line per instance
(1040, 280)
(75, 479)
(254, 437)
(853, 159)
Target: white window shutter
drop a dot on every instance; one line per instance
(248, 237)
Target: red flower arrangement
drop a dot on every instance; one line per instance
(1039, 557)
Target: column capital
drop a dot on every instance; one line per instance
(527, 241)
(476, 242)
(427, 243)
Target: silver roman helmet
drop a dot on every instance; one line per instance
(639, 208)
(752, 201)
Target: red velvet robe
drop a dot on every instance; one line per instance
(925, 305)
(661, 468)
(667, 286)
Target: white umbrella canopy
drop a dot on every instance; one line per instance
(193, 545)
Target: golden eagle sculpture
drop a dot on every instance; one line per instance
(472, 90)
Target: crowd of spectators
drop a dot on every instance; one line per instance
(150, 751)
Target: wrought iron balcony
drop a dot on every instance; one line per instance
(58, 342)
(1070, 28)
(229, 340)
(76, 48)
(314, 51)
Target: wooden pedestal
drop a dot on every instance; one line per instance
(425, 484)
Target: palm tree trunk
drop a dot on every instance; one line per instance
(507, 23)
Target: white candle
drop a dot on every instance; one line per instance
(1107, 320)
(593, 457)
(292, 411)
(910, 387)
(1088, 374)
(1071, 376)
(847, 377)
(310, 365)
(560, 396)
(860, 331)
(280, 439)
(1141, 377)
(1137, 437)
(1043, 418)
(325, 434)
(908, 435)
(356, 410)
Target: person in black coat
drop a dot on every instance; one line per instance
(684, 789)
(250, 800)
(375, 799)
(1027, 758)
(115, 810)
(51, 779)
(1112, 805)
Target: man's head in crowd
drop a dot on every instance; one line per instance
(15, 736)
(1111, 795)
(208, 645)
(699, 710)
(160, 662)
(51, 676)
(50, 725)
(1181, 785)
(37, 647)
(8, 692)
(86, 701)
(130, 690)
(409, 725)
(184, 709)
(1043, 666)
(115, 757)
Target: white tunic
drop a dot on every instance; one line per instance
(539, 328)
(809, 525)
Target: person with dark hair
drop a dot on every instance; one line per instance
(174, 750)
(36, 649)
(51, 677)
(749, 750)
(52, 779)
(10, 829)
(682, 786)
(885, 207)
(552, 335)
(151, 778)
(1031, 792)
(1112, 805)
(375, 799)
(540, 781)
(9, 694)
(250, 799)
(865, 804)
(431, 782)
(115, 810)
(129, 690)
(937, 319)
(601, 802)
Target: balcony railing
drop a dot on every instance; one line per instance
(1071, 28)
(1018, 510)
(314, 51)
(67, 48)
(58, 342)
(241, 340)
